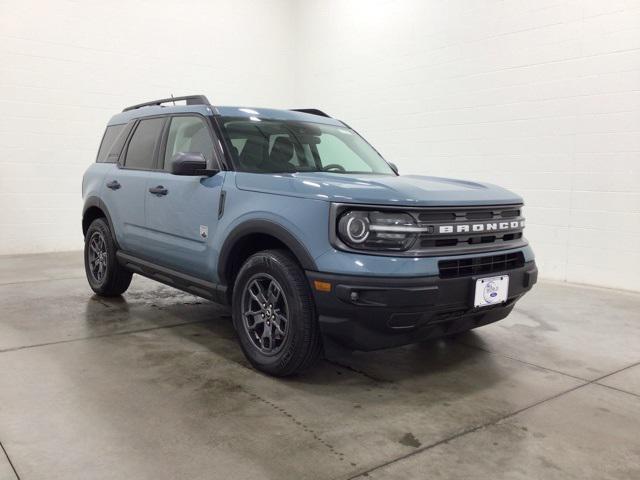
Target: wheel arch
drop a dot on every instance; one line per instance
(253, 236)
(95, 208)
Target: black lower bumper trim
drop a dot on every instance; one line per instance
(369, 313)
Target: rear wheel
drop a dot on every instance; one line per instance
(274, 314)
(105, 275)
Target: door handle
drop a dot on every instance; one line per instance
(159, 190)
(113, 185)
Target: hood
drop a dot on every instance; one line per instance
(403, 190)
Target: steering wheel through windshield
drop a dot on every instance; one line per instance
(333, 166)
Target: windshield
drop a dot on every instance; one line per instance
(275, 146)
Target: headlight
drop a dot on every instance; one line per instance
(374, 230)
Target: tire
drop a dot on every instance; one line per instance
(287, 347)
(105, 275)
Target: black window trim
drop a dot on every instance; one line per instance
(224, 144)
(126, 133)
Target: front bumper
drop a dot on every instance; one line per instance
(369, 313)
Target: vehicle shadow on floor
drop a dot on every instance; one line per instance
(442, 361)
(445, 364)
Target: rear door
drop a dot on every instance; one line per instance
(126, 186)
(183, 216)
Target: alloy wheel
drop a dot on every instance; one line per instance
(265, 313)
(98, 257)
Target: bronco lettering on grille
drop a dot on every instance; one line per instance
(480, 227)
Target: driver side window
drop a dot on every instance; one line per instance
(188, 135)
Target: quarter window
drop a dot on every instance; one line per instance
(188, 135)
(143, 143)
(108, 140)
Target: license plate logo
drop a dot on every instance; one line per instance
(491, 291)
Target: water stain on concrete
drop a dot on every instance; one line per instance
(410, 440)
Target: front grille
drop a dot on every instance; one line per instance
(480, 265)
(462, 214)
(443, 228)
(426, 242)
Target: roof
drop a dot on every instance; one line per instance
(276, 114)
(227, 111)
(142, 112)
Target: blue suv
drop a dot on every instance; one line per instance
(300, 225)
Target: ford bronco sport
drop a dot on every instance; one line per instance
(300, 225)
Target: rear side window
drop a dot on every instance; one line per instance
(188, 135)
(109, 138)
(141, 150)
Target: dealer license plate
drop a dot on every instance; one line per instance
(491, 290)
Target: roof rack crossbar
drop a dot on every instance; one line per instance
(190, 99)
(312, 111)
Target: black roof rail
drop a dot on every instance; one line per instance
(190, 99)
(312, 111)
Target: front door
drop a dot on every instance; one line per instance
(182, 216)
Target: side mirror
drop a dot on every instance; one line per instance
(394, 168)
(192, 164)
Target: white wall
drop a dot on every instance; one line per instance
(67, 66)
(540, 96)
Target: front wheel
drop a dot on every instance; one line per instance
(274, 314)
(105, 275)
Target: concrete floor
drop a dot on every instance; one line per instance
(153, 386)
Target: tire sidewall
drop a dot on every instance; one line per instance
(265, 262)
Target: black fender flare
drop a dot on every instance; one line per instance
(265, 227)
(94, 201)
